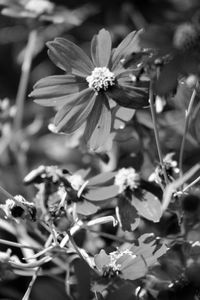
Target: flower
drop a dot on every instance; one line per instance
(130, 263)
(84, 94)
(178, 47)
(27, 8)
(127, 178)
(45, 10)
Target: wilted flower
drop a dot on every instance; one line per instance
(84, 94)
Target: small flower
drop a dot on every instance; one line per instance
(131, 263)
(84, 94)
(127, 178)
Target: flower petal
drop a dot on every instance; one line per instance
(129, 45)
(98, 124)
(101, 48)
(50, 90)
(129, 92)
(70, 57)
(61, 100)
(70, 117)
(102, 259)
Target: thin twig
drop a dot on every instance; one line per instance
(6, 194)
(25, 71)
(186, 127)
(172, 187)
(30, 286)
(191, 184)
(71, 239)
(13, 244)
(153, 114)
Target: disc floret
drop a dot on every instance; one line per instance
(127, 178)
(101, 79)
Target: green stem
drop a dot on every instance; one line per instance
(13, 244)
(154, 120)
(25, 71)
(30, 286)
(187, 121)
(6, 194)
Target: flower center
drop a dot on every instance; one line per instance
(101, 79)
(127, 178)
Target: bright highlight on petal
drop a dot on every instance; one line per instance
(101, 79)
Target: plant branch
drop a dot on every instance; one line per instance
(186, 127)
(154, 120)
(25, 72)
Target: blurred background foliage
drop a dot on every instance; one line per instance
(133, 145)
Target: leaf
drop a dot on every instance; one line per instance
(126, 292)
(128, 215)
(148, 207)
(121, 115)
(102, 179)
(82, 272)
(86, 208)
(102, 259)
(102, 193)
(48, 288)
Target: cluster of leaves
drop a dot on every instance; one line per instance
(100, 218)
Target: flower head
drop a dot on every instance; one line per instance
(83, 95)
(130, 263)
(127, 178)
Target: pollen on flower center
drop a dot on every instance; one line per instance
(101, 79)
(127, 178)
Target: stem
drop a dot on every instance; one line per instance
(30, 286)
(13, 244)
(153, 115)
(25, 71)
(187, 121)
(71, 239)
(191, 184)
(5, 193)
